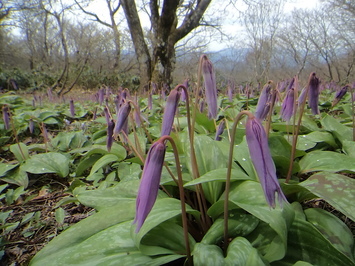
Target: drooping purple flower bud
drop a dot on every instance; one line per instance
(287, 108)
(6, 116)
(109, 140)
(169, 112)
(183, 93)
(72, 107)
(302, 96)
(209, 78)
(149, 185)
(262, 161)
(122, 117)
(220, 130)
(313, 93)
(110, 127)
(263, 106)
(340, 94)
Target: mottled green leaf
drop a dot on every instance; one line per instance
(333, 229)
(306, 243)
(338, 190)
(249, 196)
(326, 161)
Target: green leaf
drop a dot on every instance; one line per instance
(242, 156)
(326, 161)
(101, 239)
(207, 255)
(209, 157)
(65, 141)
(249, 196)
(86, 163)
(166, 238)
(340, 131)
(20, 151)
(239, 224)
(17, 177)
(333, 229)
(337, 190)
(163, 210)
(349, 148)
(306, 243)
(241, 252)
(128, 171)
(122, 193)
(103, 161)
(51, 162)
(220, 176)
(59, 215)
(5, 168)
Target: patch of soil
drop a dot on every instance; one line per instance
(23, 242)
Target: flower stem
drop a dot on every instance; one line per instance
(229, 172)
(182, 198)
(295, 136)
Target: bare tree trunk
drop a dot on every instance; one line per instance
(140, 46)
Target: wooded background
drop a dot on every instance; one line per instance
(57, 44)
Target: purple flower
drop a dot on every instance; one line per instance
(183, 93)
(209, 78)
(313, 93)
(6, 117)
(122, 116)
(220, 130)
(149, 185)
(340, 94)
(110, 127)
(287, 108)
(169, 112)
(302, 96)
(72, 107)
(263, 106)
(262, 161)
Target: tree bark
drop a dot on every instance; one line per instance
(140, 46)
(165, 35)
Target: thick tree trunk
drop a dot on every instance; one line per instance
(141, 48)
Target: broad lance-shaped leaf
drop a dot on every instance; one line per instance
(262, 160)
(150, 180)
(337, 190)
(51, 162)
